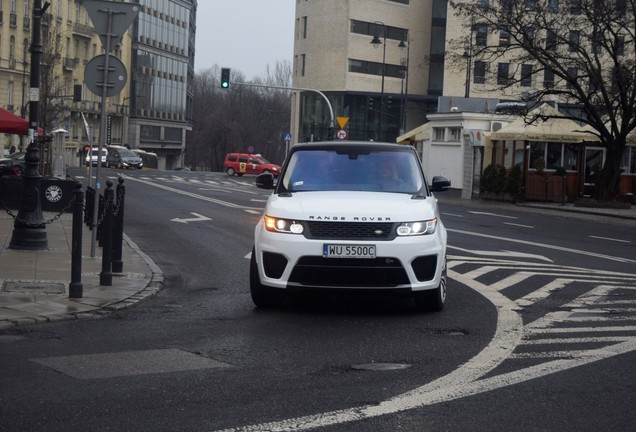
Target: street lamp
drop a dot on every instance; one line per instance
(376, 42)
(468, 55)
(404, 62)
(29, 229)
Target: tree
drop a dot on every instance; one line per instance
(232, 120)
(581, 53)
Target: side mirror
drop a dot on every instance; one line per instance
(265, 181)
(440, 184)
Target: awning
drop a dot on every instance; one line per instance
(12, 124)
(552, 129)
(420, 133)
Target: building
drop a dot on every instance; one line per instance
(383, 88)
(153, 110)
(162, 72)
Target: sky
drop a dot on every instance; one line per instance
(244, 35)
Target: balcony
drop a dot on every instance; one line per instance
(70, 63)
(83, 30)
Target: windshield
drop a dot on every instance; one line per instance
(127, 153)
(376, 171)
(262, 160)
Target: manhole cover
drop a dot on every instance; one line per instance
(381, 366)
(35, 287)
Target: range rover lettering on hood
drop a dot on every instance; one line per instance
(351, 218)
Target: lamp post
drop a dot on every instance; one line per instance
(468, 55)
(376, 42)
(405, 82)
(29, 229)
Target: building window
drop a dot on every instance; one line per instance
(304, 27)
(372, 29)
(438, 134)
(503, 77)
(481, 34)
(548, 79)
(553, 6)
(504, 38)
(575, 7)
(621, 8)
(531, 5)
(302, 65)
(550, 40)
(454, 134)
(620, 45)
(528, 36)
(572, 77)
(574, 40)
(479, 73)
(526, 75)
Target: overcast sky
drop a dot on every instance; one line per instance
(245, 35)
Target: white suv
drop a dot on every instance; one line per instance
(352, 216)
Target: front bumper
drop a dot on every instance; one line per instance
(295, 262)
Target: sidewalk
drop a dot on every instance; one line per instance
(34, 284)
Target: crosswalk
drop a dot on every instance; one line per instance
(568, 313)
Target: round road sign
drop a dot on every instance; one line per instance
(341, 134)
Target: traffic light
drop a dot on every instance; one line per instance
(225, 78)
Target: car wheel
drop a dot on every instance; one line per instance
(433, 300)
(262, 296)
(119, 165)
(230, 172)
(18, 170)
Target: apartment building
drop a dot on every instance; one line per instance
(381, 88)
(152, 112)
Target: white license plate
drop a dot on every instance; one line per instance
(348, 251)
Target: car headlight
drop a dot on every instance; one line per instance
(282, 225)
(417, 228)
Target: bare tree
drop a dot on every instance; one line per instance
(580, 52)
(53, 93)
(235, 119)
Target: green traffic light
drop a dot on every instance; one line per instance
(225, 84)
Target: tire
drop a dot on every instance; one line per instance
(119, 165)
(19, 170)
(262, 296)
(433, 300)
(230, 172)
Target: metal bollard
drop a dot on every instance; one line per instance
(106, 276)
(88, 214)
(118, 228)
(75, 288)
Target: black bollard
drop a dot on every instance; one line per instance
(118, 227)
(88, 214)
(75, 288)
(100, 216)
(106, 276)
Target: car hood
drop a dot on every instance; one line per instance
(346, 206)
(131, 158)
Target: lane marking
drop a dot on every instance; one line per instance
(518, 225)
(610, 239)
(492, 214)
(198, 218)
(545, 246)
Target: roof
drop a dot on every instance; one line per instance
(420, 133)
(548, 127)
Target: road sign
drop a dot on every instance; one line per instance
(94, 75)
(250, 149)
(122, 15)
(287, 137)
(342, 121)
(341, 134)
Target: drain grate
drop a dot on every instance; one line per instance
(32, 287)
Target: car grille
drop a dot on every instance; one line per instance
(344, 272)
(350, 230)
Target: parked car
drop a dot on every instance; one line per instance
(14, 164)
(245, 163)
(91, 156)
(338, 221)
(121, 157)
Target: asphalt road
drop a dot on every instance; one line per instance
(538, 334)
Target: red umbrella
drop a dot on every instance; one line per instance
(12, 124)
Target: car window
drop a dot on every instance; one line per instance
(243, 159)
(377, 171)
(127, 153)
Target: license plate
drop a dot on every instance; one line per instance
(348, 251)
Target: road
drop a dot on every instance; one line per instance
(539, 332)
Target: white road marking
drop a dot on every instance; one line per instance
(518, 225)
(610, 239)
(492, 214)
(197, 218)
(453, 215)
